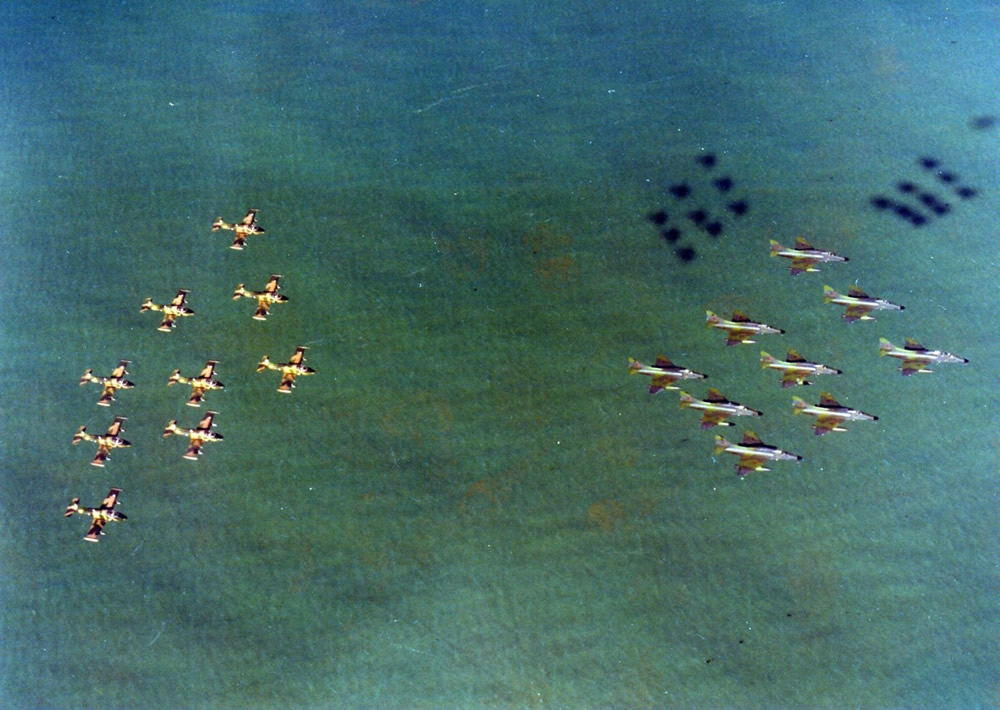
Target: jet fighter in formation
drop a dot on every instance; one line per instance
(829, 413)
(105, 442)
(716, 408)
(915, 357)
(753, 453)
(111, 384)
(663, 372)
(265, 298)
(242, 229)
(101, 515)
(795, 369)
(198, 435)
(740, 329)
(199, 385)
(859, 304)
(803, 255)
(289, 370)
(171, 311)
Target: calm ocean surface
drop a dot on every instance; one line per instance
(471, 504)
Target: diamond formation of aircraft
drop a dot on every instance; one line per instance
(753, 453)
(198, 435)
(663, 372)
(241, 230)
(105, 442)
(915, 357)
(829, 413)
(716, 408)
(803, 255)
(199, 385)
(111, 384)
(740, 329)
(171, 311)
(859, 304)
(265, 298)
(795, 368)
(289, 370)
(101, 515)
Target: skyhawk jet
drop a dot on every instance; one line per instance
(915, 356)
(829, 413)
(753, 453)
(663, 372)
(740, 328)
(859, 304)
(803, 255)
(717, 408)
(795, 369)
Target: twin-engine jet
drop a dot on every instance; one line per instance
(740, 328)
(105, 442)
(289, 370)
(199, 385)
(859, 304)
(101, 515)
(265, 298)
(198, 436)
(915, 357)
(663, 372)
(795, 369)
(716, 408)
(171, 311)
(111, 384)
(803, 255)
(829, 413)
(753, 453)
(242, 229)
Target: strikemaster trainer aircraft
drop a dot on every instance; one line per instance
(171, 311)
(716, 408)
(102, 514)
(112, 383)
(803, 255)
(663, 372)
(198, 436)
(289, 370)
(265, 298)
(795, 369)
(859, 304)
(105, 442)
(199, 385)
(242, 229)
(740, 328)
(753, 453)
(915, 356)
(829, 413)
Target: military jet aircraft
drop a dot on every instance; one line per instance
(859, 304)
(663, 372)
(740, 328)
(242, 229)
(795, 369)
(265, 298)
(105, 442)
(199, 385)
(289, 370)
(101, 515)
(753, 453)
(716, 408)
(803, 255)
(171, 311)
(829, 413)
(198, 435)
(915, 356)
(112, 383)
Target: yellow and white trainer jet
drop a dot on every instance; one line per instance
(716, 408)
(915, 357)
(198, 435)
(803, 255)
(753, 453)
(171, 311)
(859, 304)
(101, 515)
(289, 370)
(265, 298)
(796, 368)
(663, 372)
(199, 385)
(242, 229)
(111, 384)
(740, 328)
(105, 442)
(829, 413)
